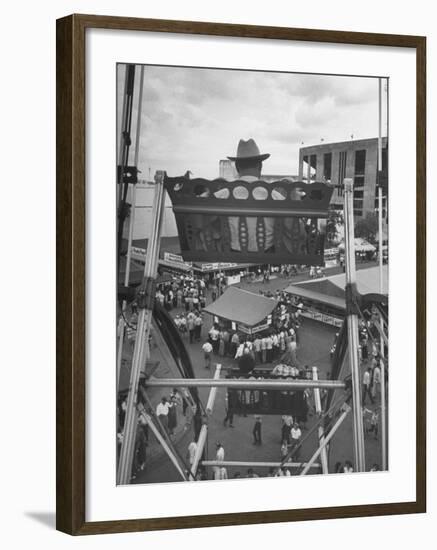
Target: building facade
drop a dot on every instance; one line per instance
(356, 159)
(227, 170)
(145, 193)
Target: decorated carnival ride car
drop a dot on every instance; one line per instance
(255, 221)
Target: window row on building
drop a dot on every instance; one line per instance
(356, 159)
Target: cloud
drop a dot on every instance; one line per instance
(317, 113)
(191, 118)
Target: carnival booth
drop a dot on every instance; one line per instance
(231, 273)
(243, 311)
(325, 299)
(363, 249)
(254, 314)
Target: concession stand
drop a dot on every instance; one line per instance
(324, 299)
(243, 311)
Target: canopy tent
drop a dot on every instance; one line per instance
(361, 245)
(367, 280)
(330, 290)
(136, 274)
(310, 294)
(242, 306)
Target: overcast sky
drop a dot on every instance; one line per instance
(192, 118)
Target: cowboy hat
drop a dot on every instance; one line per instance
(248, 150)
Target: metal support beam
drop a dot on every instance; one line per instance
(133, 189)
(318, 406)
(352, 324)
(122, 324)
(346, 410)
(143, 328)
(201, 440)
(164, 445)
(257, 464)
(213, 392)
(238, 383)
(380, 329)
(383, 337)
(384, 445)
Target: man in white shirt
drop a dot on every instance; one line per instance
(207, 350)
(160, 297)
(214, 335)
(366, 386)
(220, 456)
(295, 434)
(376, 381)
(292, 349)
(220, 452)
(162, 412)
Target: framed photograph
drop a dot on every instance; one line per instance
(240, 274)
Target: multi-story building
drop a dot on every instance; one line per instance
(356, 159)
(227, 170)
(145, 192)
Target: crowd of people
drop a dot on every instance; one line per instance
(275, 348)
(262, 349)
(265, 347)
(189, 292)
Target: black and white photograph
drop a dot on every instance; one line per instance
(252, 259)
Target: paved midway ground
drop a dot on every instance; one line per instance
(314, 346)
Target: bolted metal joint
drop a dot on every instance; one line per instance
(127, 174)
(146, 293)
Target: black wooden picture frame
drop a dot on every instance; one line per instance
(71, 248)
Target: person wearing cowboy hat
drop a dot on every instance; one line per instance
(248, 163)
